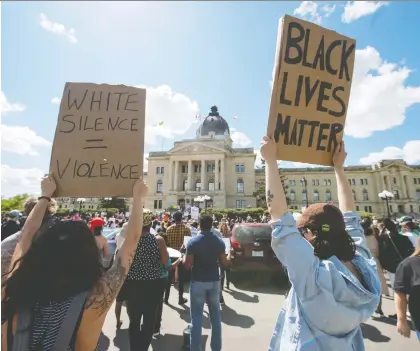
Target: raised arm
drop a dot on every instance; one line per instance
(292, 250)
(345, 196)
(105, 291)
(274, 192)
(34, 220)
(346, 202)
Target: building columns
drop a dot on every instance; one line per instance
(222, 173)
(170, 177)
(203, 175)
(176, 175)
(189, 179)
(216, 175)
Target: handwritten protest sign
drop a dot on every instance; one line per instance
(99, 140)
(312, 79)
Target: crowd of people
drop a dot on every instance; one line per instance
(56, 290)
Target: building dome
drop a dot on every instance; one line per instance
(213, 125)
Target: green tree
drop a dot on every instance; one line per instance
(114, 202)
(260, 190)
(13, 203)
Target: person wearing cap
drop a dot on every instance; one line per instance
(335, 286)
(143, 285)
(175, 240)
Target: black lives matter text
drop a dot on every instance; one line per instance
(292, 130)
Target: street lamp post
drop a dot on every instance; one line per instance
(305, 184)
(80, 201)
(205, 199)
(386, 196)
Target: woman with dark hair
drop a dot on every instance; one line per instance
(102, 243)
(335, 286)
(144, 285)
(57, 294)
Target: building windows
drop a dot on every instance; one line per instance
(304, 195)
(368, 209)
(159, 186)
(418, 194)
(357, 208)
(292, 182)
(198, 185)
(240, 168)
(352, 181)
(240, 204)
(396, 194)
(240, 186)
(197, 168)
(316, 195)
(416, 180)
(211, 168)
(184, 168)
(328, 195)
(354, 195)
(394, 180)
(327, 182)
(363, 182)
(185, 185)
(315, 182)
(160, 170)
(411, 209)
(292, 196)
(211, 185)
(157, 204)
(365, 195)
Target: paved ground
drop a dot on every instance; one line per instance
(248, 318)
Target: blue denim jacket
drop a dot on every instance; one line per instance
(326, 303)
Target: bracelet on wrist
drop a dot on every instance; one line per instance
(44, 198)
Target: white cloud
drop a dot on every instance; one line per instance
(357, 9)
(410, 153)
(7, 107)
(176, 110)
(328, 9)
(19, 181)
(55, 100)
(379, 95)
(308, 10)
(239, 138)
(57, 28)
(21, 140)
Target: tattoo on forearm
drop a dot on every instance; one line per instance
(104, 293)
(270, 197)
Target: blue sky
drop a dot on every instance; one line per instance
(191, 55)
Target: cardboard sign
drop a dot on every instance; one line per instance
(99, 140)
(312, 79)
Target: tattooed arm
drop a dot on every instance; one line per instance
(275, 197)
(105, 291)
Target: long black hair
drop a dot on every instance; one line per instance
(62, 261)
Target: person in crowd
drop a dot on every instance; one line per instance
(204, 252)
(9, 244)
(56, 277)
(407, 293)
(335, 286)
(175, 238)
(224, 272)
(408, 229)
(119, 239)
(96, 222)
(373, 245)
(11, 226)
(393, 248)
(194, 228)
(143, 285)
(102, 243)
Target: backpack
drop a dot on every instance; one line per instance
(20, 341)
